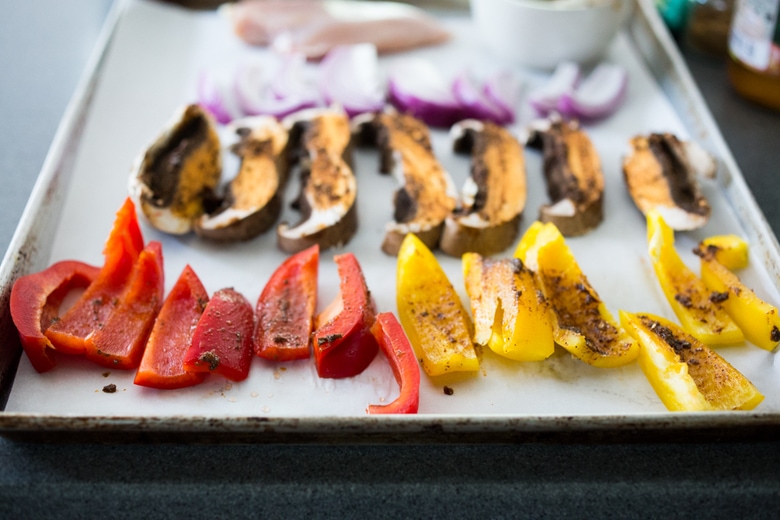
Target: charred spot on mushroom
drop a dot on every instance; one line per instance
(426, 195)
(668, 151)
(493, 197)
(572, 171)
(660, 173)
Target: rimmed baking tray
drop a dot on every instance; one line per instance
(147, 66)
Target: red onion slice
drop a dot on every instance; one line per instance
(416, 87)
(563, 81)
(599, 95)
(503, 89)
(474, 102)
(216, 96)
(255, 96)
(349, 77)
(290, 79)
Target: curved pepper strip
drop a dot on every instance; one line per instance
(730, 250)
(685, 373)
(35, 302)
(343, 343)
(511, 314)
(92, 310)
(120, 342)
(585, 327)
(222, 341)
(758, 319)
(686, 293)
(162, 362)
(285, 308)
(431, 312)
(396, 347)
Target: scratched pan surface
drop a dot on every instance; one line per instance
(148, 67)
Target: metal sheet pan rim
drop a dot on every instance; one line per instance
(413, 428)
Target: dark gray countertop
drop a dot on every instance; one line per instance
(44, 46)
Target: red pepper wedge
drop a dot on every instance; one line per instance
(120, 342)
(92, 309)
(343, 344)
(399, 352)
(285, 308)
(35, 302)
(162, 362)
(222, 341)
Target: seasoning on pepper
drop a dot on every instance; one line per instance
(343, 343)
(285, 308)
(35, 302)
(222, 341)
(396, 347)
(162, 363)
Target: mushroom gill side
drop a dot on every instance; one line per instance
(426, 195)
(494, 195)
(322, 144)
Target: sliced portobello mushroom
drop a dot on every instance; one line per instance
(171, 179)
(661, 173)
(572, 171)
(252, 201)
(320, 141)
(426, 194)
(494, 195)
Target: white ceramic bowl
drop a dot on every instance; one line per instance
(543, 33)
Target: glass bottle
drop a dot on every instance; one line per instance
(754, 51)
(708, 25)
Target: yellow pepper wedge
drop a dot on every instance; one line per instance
(536, 236)
(729, 250)
(584, 326)
(685, 373)
(686, 293)
(758, 319)
(431, 313)
(511, 314)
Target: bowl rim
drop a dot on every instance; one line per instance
(560, 5)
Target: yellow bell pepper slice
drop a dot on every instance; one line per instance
(685, 373)
(431, 313)
(687, 294)
(758, 319)
(584, 327)
(511, 314)
(536, 236)
(729, 250)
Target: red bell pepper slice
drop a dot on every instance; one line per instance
(120, 342)
(162, 362)
(222, 341)
(93, 308)
(35, 303)
(343, 343)
(285, 309)
(395, 344)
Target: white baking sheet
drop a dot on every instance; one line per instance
(151, 70)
